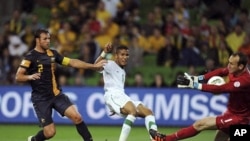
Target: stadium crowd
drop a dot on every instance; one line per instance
(191, 34)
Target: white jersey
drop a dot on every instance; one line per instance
(114, 77)
(114, 80)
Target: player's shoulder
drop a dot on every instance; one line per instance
(52, 51)
(110, 64)
(245, 77)
(111, 61)
(246, 73)
(30, 54)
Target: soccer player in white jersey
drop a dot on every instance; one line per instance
(116, 98)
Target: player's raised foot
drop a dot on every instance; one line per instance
(156, 135)
(30, 138)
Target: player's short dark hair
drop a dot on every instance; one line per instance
(243, 59)
(38, 32)
(121, 47)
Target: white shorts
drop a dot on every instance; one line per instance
(115, 101)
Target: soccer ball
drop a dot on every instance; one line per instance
(216, 80)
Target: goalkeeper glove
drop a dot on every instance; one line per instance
(186, 81)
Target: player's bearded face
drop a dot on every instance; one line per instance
(122, 57)
(44, 41)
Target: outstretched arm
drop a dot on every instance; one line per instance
(99, 63)
(107, 49)
(76, 63)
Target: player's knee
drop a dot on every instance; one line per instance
(76, 118)
(134, 113)
(49, 133)
(128, 111)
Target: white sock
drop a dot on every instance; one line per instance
(126, 127)
(150, 123)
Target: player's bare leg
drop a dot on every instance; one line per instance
(148, 115)
(81, 127)
(130, 110)
(200, 125)
(48, 132)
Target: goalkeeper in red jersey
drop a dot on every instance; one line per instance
(238, 107)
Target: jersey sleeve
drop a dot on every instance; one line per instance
(217, 72)
(26, 61)
(239, 84)
(61, 59)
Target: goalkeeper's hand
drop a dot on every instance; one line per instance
(182, 82)
(186, 81)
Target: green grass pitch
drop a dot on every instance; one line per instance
(10, 132)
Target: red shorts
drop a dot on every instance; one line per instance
(224, 121)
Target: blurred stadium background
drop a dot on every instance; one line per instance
(165, 37)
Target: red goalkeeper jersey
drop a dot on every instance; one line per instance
(238, 88)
